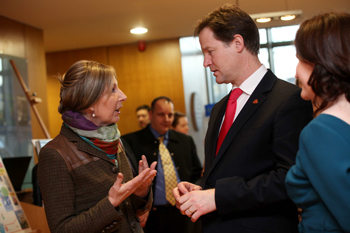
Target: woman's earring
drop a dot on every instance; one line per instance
(93, 115)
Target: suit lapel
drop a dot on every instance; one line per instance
(254, 102)
(217, 115)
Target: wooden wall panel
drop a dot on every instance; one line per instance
(23, 41)
(12, 37)
(57, 64)
(141, 75)
(146, 75)
(35, 54)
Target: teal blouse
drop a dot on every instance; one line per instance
(319, 182)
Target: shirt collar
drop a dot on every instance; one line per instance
(249, 85)
(157, 135)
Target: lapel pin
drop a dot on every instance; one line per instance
(255, 101)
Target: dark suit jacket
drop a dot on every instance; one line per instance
(249, 170)
(180, 146)
(184, 153)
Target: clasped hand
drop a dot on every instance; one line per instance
(193, 201)
(139, 185)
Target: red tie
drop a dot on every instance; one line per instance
(229, 116)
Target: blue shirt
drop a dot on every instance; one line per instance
(159, 193)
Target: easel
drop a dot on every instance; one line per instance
(39, 221)
(32, 100)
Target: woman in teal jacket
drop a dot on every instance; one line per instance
(319, 182)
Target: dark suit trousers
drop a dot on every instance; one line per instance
(169, 220)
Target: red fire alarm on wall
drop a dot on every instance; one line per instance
(142, 45)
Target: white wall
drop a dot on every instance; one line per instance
(194, 80)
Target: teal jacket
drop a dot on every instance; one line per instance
(319, 182)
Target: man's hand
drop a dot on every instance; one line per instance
(194, 202)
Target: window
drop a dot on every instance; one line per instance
(277, 51)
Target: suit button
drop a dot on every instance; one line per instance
(154, 154)
(115, 223)
(114, 169)
(177, 168)
(107, 228)
(155, 142)
(133, 224)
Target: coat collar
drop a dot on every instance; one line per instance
(81, 144)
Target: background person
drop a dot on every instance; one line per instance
(319, 182)
(85, 178)
(243, 187)
(180, 123)
(183, 163)
(142, 114)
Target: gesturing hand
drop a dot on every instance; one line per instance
(143, 189)
(119, 191)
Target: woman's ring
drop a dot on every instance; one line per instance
(189, 209)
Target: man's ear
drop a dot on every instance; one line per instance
(238, 43)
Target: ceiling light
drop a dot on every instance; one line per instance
(287, 17)
(138, 30)
(263, 20)
(280, 15)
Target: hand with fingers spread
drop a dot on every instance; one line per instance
(143, 189)
(139, 185)
(193, 201)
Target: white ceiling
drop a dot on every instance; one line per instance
(74, 24)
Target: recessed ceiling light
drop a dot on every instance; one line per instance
(138, 30)
(287, 17)
(263, 20)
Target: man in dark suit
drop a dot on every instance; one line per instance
(243, 189)
(164, 217)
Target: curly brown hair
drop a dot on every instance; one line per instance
(324, 41)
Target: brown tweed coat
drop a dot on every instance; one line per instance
(74, 179)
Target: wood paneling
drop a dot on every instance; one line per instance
(23, 41)
(35, 54)
(57, 64)
(36, 217)
(146, 75)
(141, 75)
(12, 35)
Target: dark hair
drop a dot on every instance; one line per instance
(145, 106)
(228, 21)
(83, 84)
(324, 41)
(177, 116)
(160, 98)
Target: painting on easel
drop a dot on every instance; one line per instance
(12, 217)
